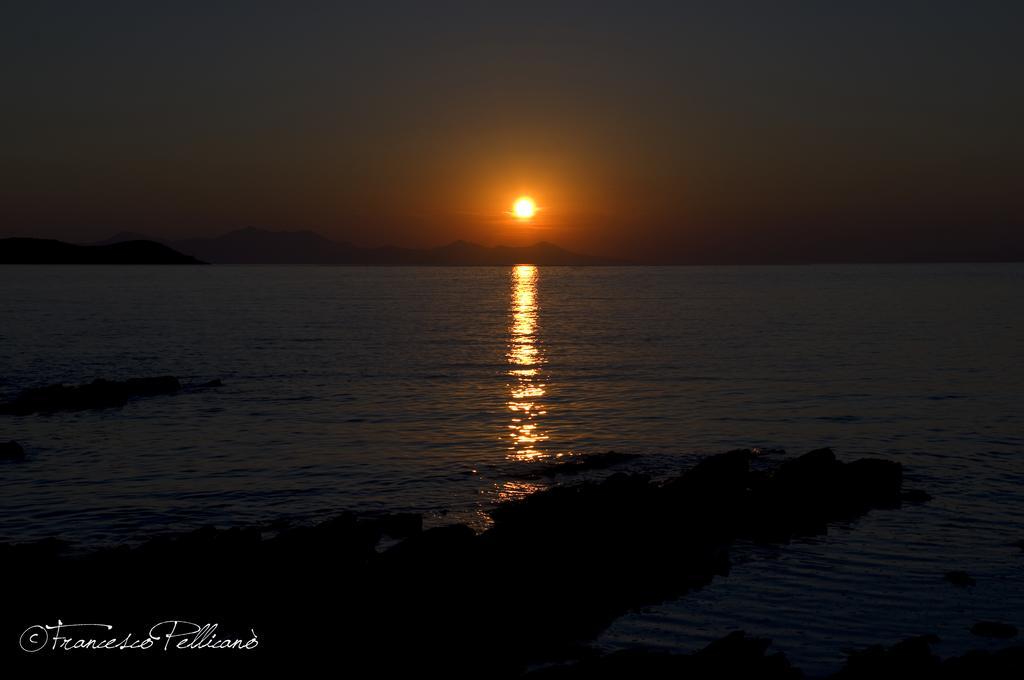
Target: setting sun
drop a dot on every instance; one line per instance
(524, 208)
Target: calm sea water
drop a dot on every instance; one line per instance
(433, 389)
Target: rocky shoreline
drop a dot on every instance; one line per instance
(740, 656)
(551, 573)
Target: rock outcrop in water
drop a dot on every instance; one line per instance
(994, 629)
(959, 578)
(913, 658)
(98, 394)
(739, 656)
(11, 450)
(734, 656)
(551, 573)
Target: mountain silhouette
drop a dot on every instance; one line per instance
(123, 236)
(260, 246)
(49, 251)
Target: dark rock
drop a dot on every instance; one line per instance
(136, 387)
(915, 496)
(1003, 664)
(278, 524)
(734, 656)
(801, 494)
(878, 481)
(434, 547)
(98, 394)
(994, 629)
(961, 579)
(46, 549)
(768, 452)
(95, 395)
(11, 450)
(738, 656)
(814, 463)
(725, 473)
(911, 658)
(397, 525)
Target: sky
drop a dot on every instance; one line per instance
(670, 132)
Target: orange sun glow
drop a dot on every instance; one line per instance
(524, 208)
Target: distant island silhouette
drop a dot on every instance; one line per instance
(261, 246)
(50, 251)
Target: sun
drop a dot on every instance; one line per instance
(524, 208)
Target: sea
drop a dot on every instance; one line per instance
(437, 390)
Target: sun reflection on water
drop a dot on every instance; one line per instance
(525, 359)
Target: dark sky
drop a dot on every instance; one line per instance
(716, 131)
